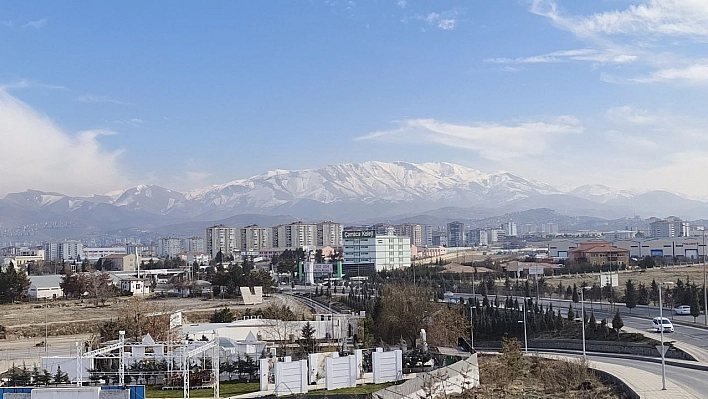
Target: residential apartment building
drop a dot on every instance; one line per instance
(93, 254)
(366, 252)
(194, 244)
(455, 234)
(510, 229)
(329, 234)
(65, 250)
(669, 227)
(220, 238)
(294, 235)
(254, 238)
(416, 232)
(120, 263)
(169, 247)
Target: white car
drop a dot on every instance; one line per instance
(683, 309)
(664, 324)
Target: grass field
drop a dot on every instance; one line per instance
(361, 389)
(225, 390)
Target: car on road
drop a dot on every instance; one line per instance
(660, 323)
(683, 309)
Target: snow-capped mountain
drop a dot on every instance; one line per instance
(372, 182)
(348, 193)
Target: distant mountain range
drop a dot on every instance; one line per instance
(350, 193)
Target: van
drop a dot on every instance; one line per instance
(667, 326)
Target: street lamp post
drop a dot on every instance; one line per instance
(661, 329)
(582, 315)
(526, 339)
(705, 293)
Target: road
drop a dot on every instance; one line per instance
(693, 381)
(639, 318)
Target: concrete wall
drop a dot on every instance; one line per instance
(627, 348)
(442, 382)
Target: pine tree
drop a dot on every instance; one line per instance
(630, 295)
(308, 338)
(617, 322)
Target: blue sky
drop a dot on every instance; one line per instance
(99, 96)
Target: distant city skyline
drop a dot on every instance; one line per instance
(97, 97)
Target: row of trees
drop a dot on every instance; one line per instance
(23, 377)
(96, 285)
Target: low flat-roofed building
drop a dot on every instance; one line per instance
(48, 286)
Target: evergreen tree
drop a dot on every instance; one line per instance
(617, 322)
(308, 338)
(60, 377)
(630, 295)
(571, 314)
(224, 315)
(643, 295)
(695, 305)
(576, 297)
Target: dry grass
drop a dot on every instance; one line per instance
(693, 272)
(542, 378)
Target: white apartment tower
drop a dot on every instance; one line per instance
(220, 238)
(254, 238)
(294, 235)
(169, 247)
(669, 227)
(329, 234)
(66, 250)
(194, 244)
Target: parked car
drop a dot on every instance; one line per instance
(660, 323)
(683, 309)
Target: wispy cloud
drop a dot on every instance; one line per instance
(661, 17)
(135, 122)
(28, 84)
(90, 98)
(444, 21)
(38, 24)
(588, 54)
(697, 73)
(402, 3)
(493, 141)
(92, 167)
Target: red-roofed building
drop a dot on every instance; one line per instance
(599, 253)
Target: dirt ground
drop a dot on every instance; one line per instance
(69, 317)
(694, 273)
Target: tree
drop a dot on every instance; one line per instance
(576, 297)
(308, 338)
(695, 305)
(224, 315)
(630, 295)
(60, 377)
(617, 322)
(73, 284)
(13, 284)
(643, 295)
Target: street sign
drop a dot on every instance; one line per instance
(537, 270)
(609, 279)
(661, 349)
(249, 253)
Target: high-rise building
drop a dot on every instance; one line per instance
(294, 235)
(509, 229)
(329, 234)
(65, 250)
(414, 231)
(194, 244)
(169, 247)
(255, 238)
(220, 238)
(455, 234)
(669, 227)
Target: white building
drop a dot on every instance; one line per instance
(619, 235)
(202, 258)
(366, 252)
(294, 235)
(220, 238)
(194, 244)
(329, 234)
(510, 229)
(45, 287)
(169, 247)
(95, 253)
(669, 227)
(135, 286)
(495, 235)
(65, 250)
(254, 238)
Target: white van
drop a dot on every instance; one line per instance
(667, 326)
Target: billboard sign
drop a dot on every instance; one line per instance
(536, 270)
(609, 279)
(322, 268)
(359, 234)
(250, 253)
